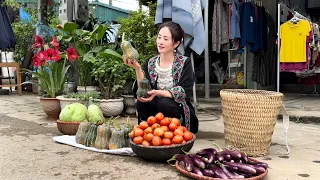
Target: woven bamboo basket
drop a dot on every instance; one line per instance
(249, 118)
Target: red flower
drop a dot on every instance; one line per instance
(38, 42)
(72, 53)
(38, 59)
(55, 42)
(51, 54)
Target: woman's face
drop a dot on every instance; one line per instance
(165, 41)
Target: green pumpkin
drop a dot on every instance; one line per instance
(101, 141)
(117, 138)
(91, 136)
(142, 91)
(82, 132)
(128, 51)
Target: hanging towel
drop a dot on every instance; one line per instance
(7, 38)
(188, 14)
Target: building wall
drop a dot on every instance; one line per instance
(313, 3)
(105, 12)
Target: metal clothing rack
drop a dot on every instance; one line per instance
(295, 13)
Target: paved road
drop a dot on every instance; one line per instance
(27, 150)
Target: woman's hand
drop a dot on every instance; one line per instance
(152, 93)
(131, 63)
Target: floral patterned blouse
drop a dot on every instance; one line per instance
(183, 80)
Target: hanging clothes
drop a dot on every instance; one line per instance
(300, 66)
(188, 14)
(265, 61)
(235, 20)
(7, 38)
(293, 41)
(248, 25)
(220, 35)
(261, 30)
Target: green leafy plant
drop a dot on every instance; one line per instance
(51, 70)
(140, 30)
(87, 42)
(108, 70)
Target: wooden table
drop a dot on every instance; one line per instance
(17, 66)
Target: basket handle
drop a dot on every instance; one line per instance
(286, 122)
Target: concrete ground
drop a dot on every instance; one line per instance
(27, 150)
(302, 108)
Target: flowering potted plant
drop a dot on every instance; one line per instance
(51, 72)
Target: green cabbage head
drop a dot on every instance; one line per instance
(75, 112)
(95, 113)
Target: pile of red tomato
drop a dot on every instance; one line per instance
(160, 131)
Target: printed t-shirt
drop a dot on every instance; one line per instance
(293, 41)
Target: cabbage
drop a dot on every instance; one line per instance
(95, 114)
(75, 112)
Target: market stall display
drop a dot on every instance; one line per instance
(213, 164)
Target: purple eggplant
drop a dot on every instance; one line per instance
(265, 165)
(207, 172)
(203, 155)
(227, 157)
(211, 158)
(259, 169)
(246, 175)
(243, 168)
(218, 172)
(208, 157)
(197, 161)
(219, 157)
(212, 150)
(244, 157)
(197, 171)
(188, 165)
(233, 153)
(231, 168)
(231, 175)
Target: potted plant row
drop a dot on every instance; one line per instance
(82, 98)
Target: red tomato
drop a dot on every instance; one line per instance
(173, 126)
(166, 142)
(158, 132)
(138, 132)
(178, 132)
(151, 120)
(156, 141)
(143, 125)
(168, 135)
(165, 122)
(177, 139)
(138, 140)
(159, 116)
(164, 128)
(148, 130)
(175, 120)
(187, 136)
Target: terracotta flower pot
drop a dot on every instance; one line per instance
(51, 106)
(68, 128)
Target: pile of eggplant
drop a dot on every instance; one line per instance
(223, 164)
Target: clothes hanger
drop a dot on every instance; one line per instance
(295, 19)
